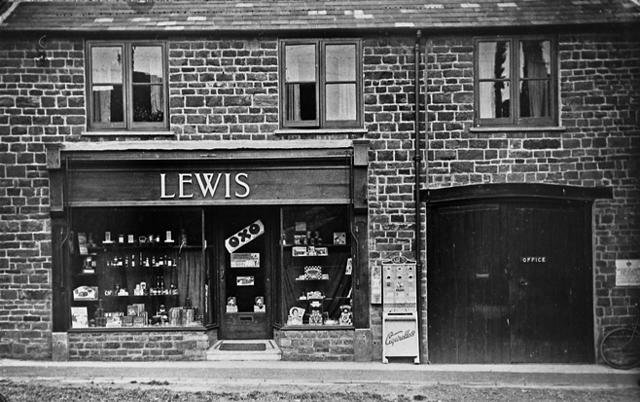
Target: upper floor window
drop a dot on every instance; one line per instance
(127, 86)
(515, 81)
(320, 83)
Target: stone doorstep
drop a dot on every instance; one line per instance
(272, 351)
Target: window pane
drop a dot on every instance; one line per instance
(147, 63)
(107, 103)
(301, 101)
(321, 295)
(495, 99)
(535, 59)
(148, 103)
(106, 65)
(300, 63)
(493, 59)
(535, 98)
(341, 101)
(341, 62)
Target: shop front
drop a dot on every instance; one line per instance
(162, 248)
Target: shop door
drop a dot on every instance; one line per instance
(246, 249)
(509, 283)
(549, 285)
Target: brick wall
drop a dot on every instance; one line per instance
(139, 345)
(389, 105)
(39, 104)
(316, 345)
(599, 146)
(227, 89)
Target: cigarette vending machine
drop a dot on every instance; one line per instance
(399, 309)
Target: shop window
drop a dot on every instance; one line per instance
(317, 266)
(127, 86)
(516, 80)
(321, 83)
(128, 268)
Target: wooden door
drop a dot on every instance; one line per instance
(549, 284)
(509, 282)
(467, 287)
(243, 282)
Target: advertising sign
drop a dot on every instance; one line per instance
(627, 272)
(244, 236)
(245, 260)
(400, 336)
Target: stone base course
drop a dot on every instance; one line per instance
(151, 345)
(334, 345)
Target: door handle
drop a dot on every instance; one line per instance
(523, 283)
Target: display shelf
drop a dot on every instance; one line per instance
(112, 297)
(312, 280)
(328, 245)
(144, 247)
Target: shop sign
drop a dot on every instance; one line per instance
(400, 335)
(244, 236)
(245, 260)
(397, 336)
(627, 272)
(533, 259)
(208, 184)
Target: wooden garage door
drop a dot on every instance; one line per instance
(509, 282)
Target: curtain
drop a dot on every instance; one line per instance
(534, 90)
(500, 57)
(191, 279)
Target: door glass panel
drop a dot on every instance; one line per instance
(341, 101)
(245, 268)
(341, 63)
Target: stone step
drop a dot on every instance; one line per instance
(253, 349)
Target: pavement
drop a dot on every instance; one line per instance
(206, 375)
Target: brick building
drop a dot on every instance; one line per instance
(178, 173)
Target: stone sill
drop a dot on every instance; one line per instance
(320, 131)
(135, 329)
(317, 328)
(120, 133)
(512, 129)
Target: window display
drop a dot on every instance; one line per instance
(317, 266)
(134, 268)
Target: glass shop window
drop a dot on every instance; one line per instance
(127, 86)
(128, 268)
(516, 80)
(321, 83)
(317, 266)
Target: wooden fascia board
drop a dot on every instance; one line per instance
(514, 190)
